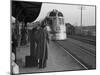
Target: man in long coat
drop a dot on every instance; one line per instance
(42, 48)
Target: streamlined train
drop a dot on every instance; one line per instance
(56, 24)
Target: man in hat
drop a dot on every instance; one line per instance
(42, 48)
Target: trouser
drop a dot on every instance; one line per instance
(42, 64)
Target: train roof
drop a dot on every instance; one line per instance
(54, 13)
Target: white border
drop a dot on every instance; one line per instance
(5, 37)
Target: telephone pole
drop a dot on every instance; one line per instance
(81, 17)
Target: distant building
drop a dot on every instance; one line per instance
(86, 30)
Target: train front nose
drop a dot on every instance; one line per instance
(57, 25)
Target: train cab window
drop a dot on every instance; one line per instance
(60, 14)
(52, 14)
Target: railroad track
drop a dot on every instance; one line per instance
(89, 40)
(72, 55)
(89, 51)
(86, 40)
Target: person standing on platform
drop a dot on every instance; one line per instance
(42, 48)
(33, 43)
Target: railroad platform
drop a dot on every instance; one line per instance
(58, 60)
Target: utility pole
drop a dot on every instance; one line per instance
(81, 17)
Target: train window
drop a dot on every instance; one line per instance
(52, 14)
(60, 14)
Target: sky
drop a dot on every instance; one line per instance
(72, 13)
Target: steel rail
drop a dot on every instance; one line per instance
(72, 56)
(84, 49)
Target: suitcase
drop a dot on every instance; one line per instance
(30, 61)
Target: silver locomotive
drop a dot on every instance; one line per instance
(56, 25)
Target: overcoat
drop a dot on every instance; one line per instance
(33, 42)
(42, 44)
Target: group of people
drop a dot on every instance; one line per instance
(39, 40)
